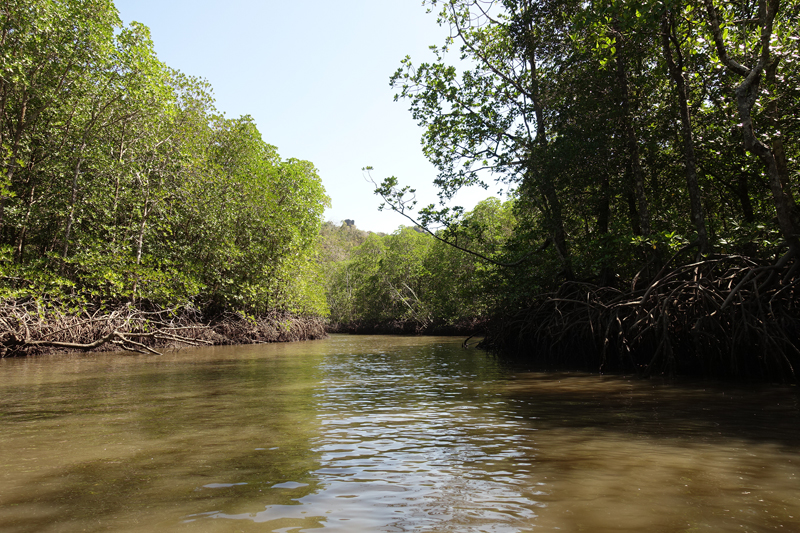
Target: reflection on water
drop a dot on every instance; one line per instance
(384, 434)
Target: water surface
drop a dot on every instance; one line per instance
(387, 434)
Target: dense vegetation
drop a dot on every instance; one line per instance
(651, 152)
(411, 282)
(132, 213)
(648, 151)
(120, 182)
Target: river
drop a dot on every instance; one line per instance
(384, 434)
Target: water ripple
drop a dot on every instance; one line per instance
(411, 448)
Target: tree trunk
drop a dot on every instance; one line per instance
(743, 191)
(689, 158)
(23, 232)
(746, 96)
(633, 209)
(770, 74)
(606, 274)
(140, 237)
(73, 200)
(547, 187)
(604, 205)
(631, 141)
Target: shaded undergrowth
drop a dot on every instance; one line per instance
(472, 326)
(723, 316)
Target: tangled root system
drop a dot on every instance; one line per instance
(28, 327)
(722, 316)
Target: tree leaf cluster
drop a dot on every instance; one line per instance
(622, 131)
(120, 181)
(411, 280)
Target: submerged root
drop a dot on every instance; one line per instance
(723, 316)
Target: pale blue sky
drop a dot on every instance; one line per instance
(314, 75)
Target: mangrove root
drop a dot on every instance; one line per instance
(724, 316)
(28, 327)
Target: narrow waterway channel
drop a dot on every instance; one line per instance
(384, 434)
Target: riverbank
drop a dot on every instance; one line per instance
(30, 328)
(474, 326)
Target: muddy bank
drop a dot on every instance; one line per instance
(30, 328)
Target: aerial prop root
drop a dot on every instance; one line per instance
(723, 315)
(30, 327)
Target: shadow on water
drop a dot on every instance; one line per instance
(666, 409)
(640, 455)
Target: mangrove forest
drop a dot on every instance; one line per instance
(640, 160)
(131, 210)
(649, 155)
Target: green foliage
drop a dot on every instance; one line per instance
(121, 182)
(409, 277)
(567, 104)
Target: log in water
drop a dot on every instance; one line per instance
(387, 434)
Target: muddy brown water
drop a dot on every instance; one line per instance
(384, 434)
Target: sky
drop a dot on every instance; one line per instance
(314, 75)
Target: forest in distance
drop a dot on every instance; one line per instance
(647, 152)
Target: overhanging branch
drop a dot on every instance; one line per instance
(394, 200)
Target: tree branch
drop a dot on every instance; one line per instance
(398, 205)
